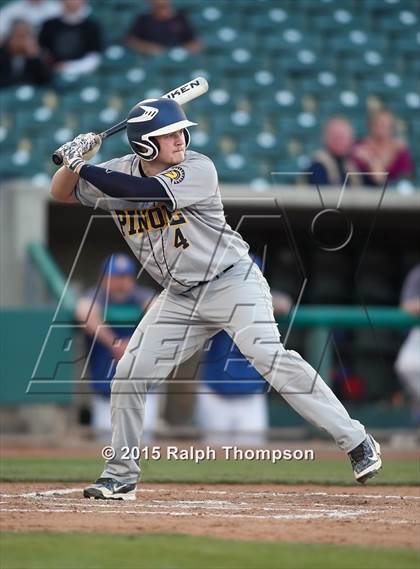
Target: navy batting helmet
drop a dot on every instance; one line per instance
(153, 117)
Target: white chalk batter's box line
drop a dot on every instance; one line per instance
(140, 490)
(336, 515)
(316, 507)
(217, 505)
(228, 508)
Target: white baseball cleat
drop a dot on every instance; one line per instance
(110, 489)
(366, 459)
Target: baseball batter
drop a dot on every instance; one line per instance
(166, 203)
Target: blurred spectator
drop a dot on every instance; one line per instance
(34, 12)
(106, 344)
(407, 364)
(160, 29)
(232, 400)
(380, 153)
(73, 41)
(21, 60)
(331, 164)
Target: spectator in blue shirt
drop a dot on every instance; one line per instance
(105, 343)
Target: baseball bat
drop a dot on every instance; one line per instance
(183, 94)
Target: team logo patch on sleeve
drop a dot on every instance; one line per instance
(176, 175)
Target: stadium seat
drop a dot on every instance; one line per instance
(272, 68)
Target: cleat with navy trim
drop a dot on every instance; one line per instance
(366, 459)
(110, 489)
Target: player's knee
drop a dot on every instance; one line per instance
(258, 340)
(262, 351)
(263, 357)
(127, 369)
(131, 385)
(128, 393)
(127, 381)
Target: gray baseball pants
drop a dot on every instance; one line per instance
(177, 325)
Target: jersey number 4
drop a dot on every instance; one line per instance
(180, 240)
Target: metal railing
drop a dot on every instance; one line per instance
(52, 276)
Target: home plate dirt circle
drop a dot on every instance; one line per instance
(387, 516)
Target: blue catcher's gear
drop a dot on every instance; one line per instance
(153, 117)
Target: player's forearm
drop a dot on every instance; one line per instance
(102, 332)
(411, 306)
(105, 335)
(63, 185)
(119, 185)
(94, 325)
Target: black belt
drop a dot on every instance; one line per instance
(213, 279)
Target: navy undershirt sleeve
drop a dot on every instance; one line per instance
(119, 185)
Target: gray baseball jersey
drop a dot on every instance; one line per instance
(180, 244)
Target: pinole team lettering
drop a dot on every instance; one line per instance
(138, 221)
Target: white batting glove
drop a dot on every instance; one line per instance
(85, 145)
(90, 144)
(73, 163)
(72, 156)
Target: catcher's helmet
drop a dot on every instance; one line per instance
(153, 117)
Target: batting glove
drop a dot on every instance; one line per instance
(85, 145)
(72, 156)
(74, 164)
(90, 143)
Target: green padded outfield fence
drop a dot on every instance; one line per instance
(305, 316)
(29, 327)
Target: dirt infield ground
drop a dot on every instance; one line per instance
(378, 516)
